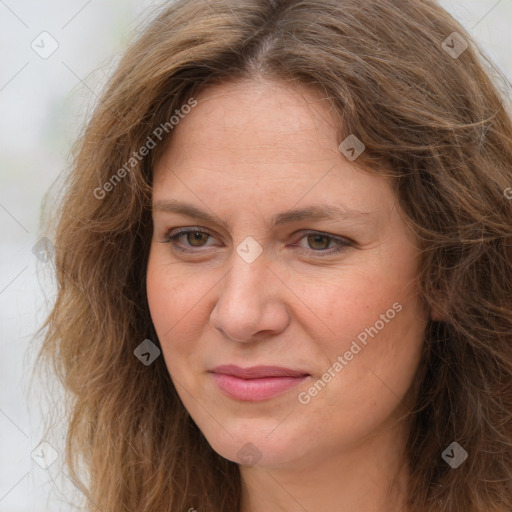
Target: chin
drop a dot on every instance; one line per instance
(254, 441)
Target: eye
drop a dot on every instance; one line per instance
(197, 237)
(193, 236)
(319, 242)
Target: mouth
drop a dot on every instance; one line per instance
(256, 383)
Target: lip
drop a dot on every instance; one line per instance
(257, 382)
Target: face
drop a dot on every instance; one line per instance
(270, 249)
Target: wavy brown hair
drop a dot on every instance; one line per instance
(439, 125)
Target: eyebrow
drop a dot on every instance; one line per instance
(323, 212)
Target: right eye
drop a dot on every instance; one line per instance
(193, 236)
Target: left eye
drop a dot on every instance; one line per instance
(315, 240)
(196, 237)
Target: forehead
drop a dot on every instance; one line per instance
(247, 123)
(266, 146)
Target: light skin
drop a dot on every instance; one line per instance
(248, 151)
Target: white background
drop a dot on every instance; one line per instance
(43, 103)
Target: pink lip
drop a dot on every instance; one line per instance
(256, 383)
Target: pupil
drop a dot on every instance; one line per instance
(317, 237)
(197, 235)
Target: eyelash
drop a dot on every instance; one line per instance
(170, 238)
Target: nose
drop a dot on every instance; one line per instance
(251, 302)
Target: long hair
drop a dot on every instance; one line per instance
(427, 106)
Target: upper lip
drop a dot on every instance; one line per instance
(256, 372)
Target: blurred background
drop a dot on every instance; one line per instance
(56, 55)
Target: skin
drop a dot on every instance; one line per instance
(249, 150)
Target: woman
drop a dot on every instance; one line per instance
(285, 267)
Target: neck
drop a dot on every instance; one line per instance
(370, 477)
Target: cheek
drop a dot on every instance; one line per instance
(177, 298)
(161, 290)
(377, 324)
(380, 356)
(168, 297)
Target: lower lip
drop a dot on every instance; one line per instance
(254, 390)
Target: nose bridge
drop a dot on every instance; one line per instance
(248, 269)
(247, 300)
(242, 293)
